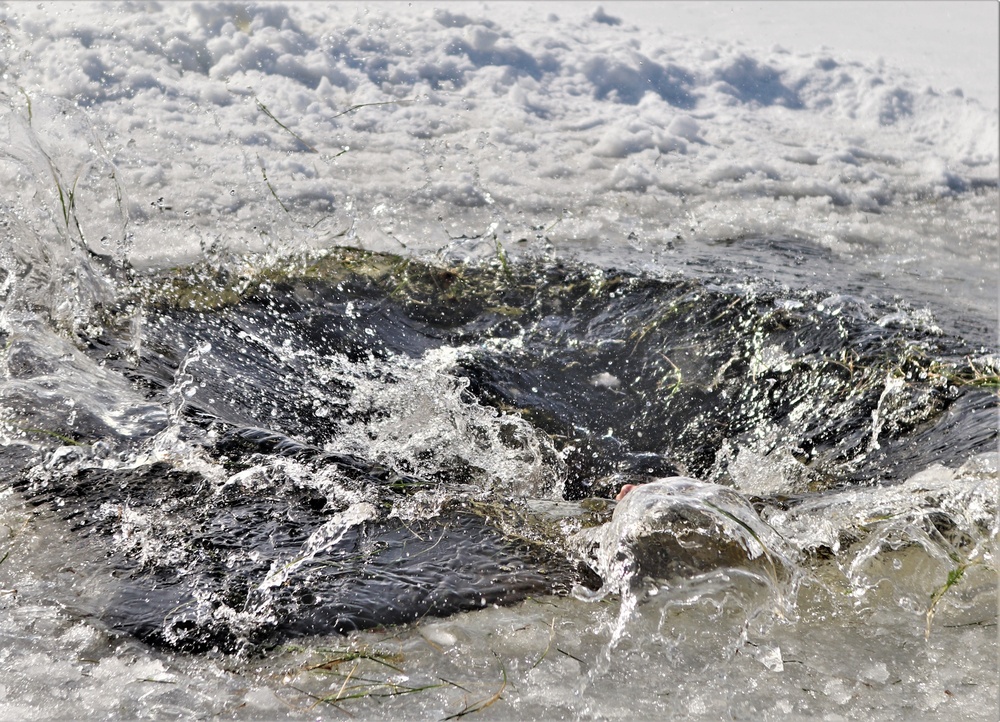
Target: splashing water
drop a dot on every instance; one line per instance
(248, 471)
(306, 476)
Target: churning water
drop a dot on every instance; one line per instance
(297, 478)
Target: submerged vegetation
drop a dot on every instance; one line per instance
(360, 672)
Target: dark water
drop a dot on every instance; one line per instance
(357, 437)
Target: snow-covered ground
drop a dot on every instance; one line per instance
(232, 128)
(945, 43)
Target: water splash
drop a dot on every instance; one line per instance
(678, 539)
(70, 219)
(320, 541)
(53, 390)
(419, 418)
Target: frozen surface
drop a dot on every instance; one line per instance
(856, 648)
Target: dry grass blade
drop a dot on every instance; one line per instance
(571, 656)
(270, 187)
(340, 692)
(552, 629)
(266, 111)
(483, 704)
(364, 691)
(954, 577)
(355, 684)
(382, 658)
(28, 100)
(368, 105)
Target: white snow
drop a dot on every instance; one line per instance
(946, 43)
(231, 126)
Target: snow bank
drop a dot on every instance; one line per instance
(247, 126)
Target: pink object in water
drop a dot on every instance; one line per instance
(625, 490)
